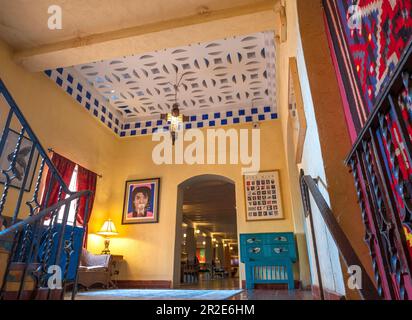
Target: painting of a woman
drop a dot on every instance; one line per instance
(141, 201)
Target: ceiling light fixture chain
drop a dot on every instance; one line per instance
(174, 117)
(177, 83)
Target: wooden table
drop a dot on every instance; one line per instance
(116, 262)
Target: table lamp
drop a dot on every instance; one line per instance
(108, 229)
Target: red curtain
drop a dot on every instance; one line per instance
(65, 167)
(86, 180)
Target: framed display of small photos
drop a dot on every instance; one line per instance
(262, 196)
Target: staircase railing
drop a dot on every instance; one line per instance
(35, 237)
(308, 185)
(381, 165)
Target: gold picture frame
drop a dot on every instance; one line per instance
(144, 193)
(296, 115)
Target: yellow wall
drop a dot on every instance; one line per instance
(59, 123)
(285, 50)
(62, 124)
(148, 248)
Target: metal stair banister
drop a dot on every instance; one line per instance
(35, 243)
(309, 187)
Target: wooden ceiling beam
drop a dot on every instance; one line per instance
(207, 26)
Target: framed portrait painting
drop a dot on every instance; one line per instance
(141, 201)
(296, 115)
(26, 161)
(263, 196)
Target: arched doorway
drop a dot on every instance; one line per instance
(206, 249)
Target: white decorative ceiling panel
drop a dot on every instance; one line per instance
(236, 72)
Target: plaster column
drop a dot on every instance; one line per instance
(226, 259)
(190, 244)
(220, 255)
(208, 250)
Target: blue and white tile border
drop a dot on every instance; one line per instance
(99, 107)
(212, 119)
(87, 97)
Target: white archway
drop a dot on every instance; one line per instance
(179, 216)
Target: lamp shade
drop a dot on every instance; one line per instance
(108, 228)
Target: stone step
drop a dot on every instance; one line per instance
(30, 294)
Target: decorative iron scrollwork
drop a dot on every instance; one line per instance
(11, 170)
(380, 162)
(369, 238)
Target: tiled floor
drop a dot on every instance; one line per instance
(217, 284)
(259, 294)
(266, 294)
(190, 294)
(233, 284)
(156, 294)
(273, 295)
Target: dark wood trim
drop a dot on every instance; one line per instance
(12, 295)
(272, 286)
(328, 294)
(348, 254)
(144, 284)
(308, 213)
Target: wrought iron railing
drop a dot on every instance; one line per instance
(381, 164)
(309, 188)
(31, 245)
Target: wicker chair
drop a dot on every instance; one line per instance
(94, 269)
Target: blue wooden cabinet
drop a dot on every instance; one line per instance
(268, 258)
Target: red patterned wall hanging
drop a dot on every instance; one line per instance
(367, 39)
(367, 48)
